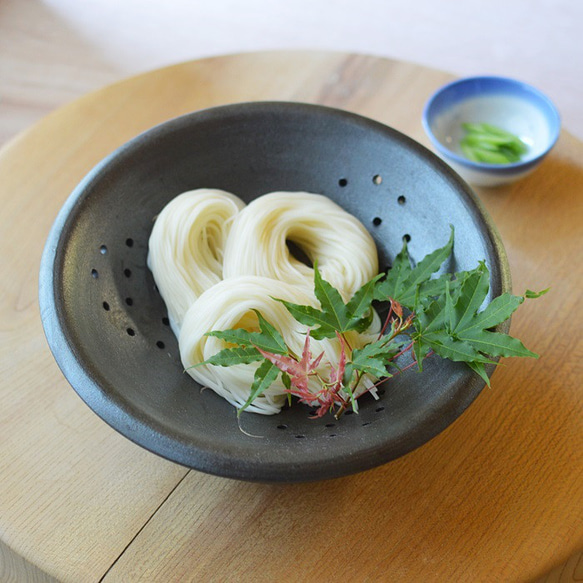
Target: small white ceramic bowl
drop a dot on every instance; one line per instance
(509, 104)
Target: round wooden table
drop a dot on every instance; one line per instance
(498, 496)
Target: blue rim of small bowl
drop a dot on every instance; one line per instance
(482, 166)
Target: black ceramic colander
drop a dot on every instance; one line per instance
(106, 323)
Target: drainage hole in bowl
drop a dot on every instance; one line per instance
(329, 425)
(332, 435)
(407, 237)
(129, 301)
(127, 272)
(377, 179)
(377, 221)
(282, 426)
(129, 242)
(160, 344)
(103, 249)
(379, 409)
(366, 423)
(300, 436)
(401, 200)
(342, 182)
(94, 273)
(165, 321)
(105, 306)
(131, 332)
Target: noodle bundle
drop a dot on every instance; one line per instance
(216, 260)
(186, 247)
(326, 233)
(229, 304)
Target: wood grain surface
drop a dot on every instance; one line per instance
(498, 496)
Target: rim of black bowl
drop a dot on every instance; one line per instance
(153, 436)
(501, 169)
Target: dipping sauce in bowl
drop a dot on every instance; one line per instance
(510, 105)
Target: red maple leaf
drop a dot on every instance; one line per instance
(329, 395)
(298, 370)
(397, 308)
(337, 374)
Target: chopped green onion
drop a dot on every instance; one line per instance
(489, 144)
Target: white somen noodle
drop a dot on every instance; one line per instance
(215, 261)
(326, 233)
(229, 304)
(186, 247)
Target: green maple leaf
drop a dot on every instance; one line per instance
(231, 356)
(533, 295)
(406, 284)
(447, 318)
(433, 288)
(264, 377)
(454, 328)
(334, 315)
(268, 339)
(372, 359)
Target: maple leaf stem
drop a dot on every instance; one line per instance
(347, 343)
(410, 365)
(387, 320)
(375, 385)
(317, 375)
(359, 375)
(408, 347)
(401, 370)
(341, 409)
